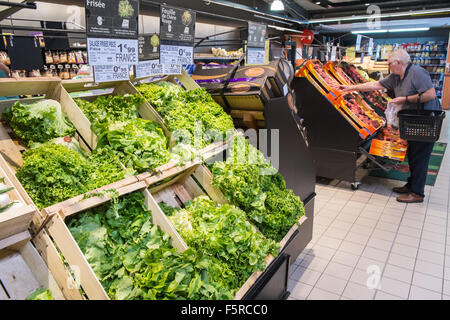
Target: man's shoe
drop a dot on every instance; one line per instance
(410, 198)
(403, 189)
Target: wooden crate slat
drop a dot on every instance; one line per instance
(20, 87)
(67, 203)
(56, 266)
(96, 201)
(182, 193)
(72, 253)
(160, 219)
(193, 188)
(9, 150)
(204, 177)
(15, 221)
(42, 274)
(15, 242)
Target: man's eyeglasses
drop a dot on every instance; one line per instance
(390, 63)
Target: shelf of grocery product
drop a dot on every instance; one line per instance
(334, 141)
(414, 51)
(432, 65)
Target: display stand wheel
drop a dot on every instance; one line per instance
(355, 185)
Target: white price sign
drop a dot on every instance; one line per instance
(148, 68)
(370, 47)
(256, 55)
(333, 53)
(112, 52)
(169, 69)
(176, 55)
(111, 73)
(358, 43)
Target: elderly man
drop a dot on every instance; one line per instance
(408, 81)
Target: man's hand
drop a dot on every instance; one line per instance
(399, 100)
(346, 88)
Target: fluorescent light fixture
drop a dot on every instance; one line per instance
(387, 15)
(370, 31)
(277, 5)
(409, 29)
(284, 29)
(389, 30)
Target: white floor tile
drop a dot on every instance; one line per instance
(418, 293)
(404, 250)
(305, 275)
(379, 244)
(429, 268)
(358, 238)
(346, 258)
(446, 289)
(380, 295)
(300, 291)
(395, 287)
(430, 256)
(322, 252)
(338, 270)
(375, 254)
(407, 240)
(331, 284)
(314, 263)
(427, 282)
(351, 247)
(432, 246)
(319, 294)
(401, 261)
(398, 273)
(355, 291)
(365, 263)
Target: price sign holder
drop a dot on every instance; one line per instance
(177, 34)
(149, 55)
(256, 44)
(112, 37)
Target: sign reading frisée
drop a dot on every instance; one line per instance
(112, 18)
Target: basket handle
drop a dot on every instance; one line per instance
(419, 104)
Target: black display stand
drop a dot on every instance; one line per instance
(338, 149)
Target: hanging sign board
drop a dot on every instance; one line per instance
(112, 18)
(256, 43)
(177, 35)
(370, 50)
(383, 54)
(149, 64)
(377, 55)
(112, 37)
(358, 43)
(333, 53)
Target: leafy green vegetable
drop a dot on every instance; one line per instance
(41, 294)
(190, 115)
(110, 108)
(39, 121)
(249, 181)
(53, 173)
(224, 232)
(140, 144)
(133, 258)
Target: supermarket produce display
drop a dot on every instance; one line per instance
(62, 171)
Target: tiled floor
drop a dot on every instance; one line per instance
(366, 245)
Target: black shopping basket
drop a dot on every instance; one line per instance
(420, 125)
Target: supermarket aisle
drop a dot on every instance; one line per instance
(366, 245)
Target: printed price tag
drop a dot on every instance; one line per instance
(333, 53)
(176, 55)
(112, 52)
(358, 43)
(111, 73)
(148, 68)
(256, 55)
(169, 69)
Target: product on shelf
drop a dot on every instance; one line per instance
(4, 58)
(219, 52)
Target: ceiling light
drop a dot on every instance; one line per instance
(387, 15)
(277, 5)
(370, 31)
(409, 29)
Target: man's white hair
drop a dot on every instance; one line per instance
(401, 55)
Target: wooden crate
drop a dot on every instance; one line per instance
(187, 183)
(63, 241)
(22, 270)
(187, 186)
